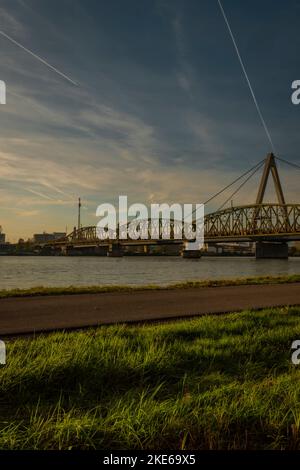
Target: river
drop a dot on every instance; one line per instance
(31, 271)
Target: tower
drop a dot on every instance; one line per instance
(270, 166)
(270, 248)
(79, 210)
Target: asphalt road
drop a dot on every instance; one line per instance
(36, 314)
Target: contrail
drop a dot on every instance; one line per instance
(44, 196)
(38, 58)
(246, 76)
(51, 186)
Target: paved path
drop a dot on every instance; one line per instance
(35, 314)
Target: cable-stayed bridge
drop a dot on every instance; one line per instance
(269, 225)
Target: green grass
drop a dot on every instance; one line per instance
(72, 290)
(214, 382)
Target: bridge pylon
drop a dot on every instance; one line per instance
(269, 249)
(270, 167)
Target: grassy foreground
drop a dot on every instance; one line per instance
(215, 382)
(72, 290)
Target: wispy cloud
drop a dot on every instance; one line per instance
(25, 213)
(149, 121)
(185, 72)
(13, 25)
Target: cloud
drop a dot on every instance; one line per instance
(184, 82)
(159, 119)
(13, 25)
(185, 73)
(24, 213)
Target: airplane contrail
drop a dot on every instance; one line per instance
(51, 186)
(246, 76)
(38, 58)
(37, 193)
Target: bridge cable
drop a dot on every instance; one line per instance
(235, 181)
(258, 165)
(246, 76)
(240, 186)
(288, 163)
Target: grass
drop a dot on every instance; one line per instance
(214, 382)
(72, 290)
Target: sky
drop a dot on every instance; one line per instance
(147, 99)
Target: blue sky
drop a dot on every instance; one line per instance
(161, 113)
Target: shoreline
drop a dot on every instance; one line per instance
(102, 289)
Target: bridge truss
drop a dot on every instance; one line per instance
(255, 222)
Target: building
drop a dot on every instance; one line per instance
(58, 235)
(47, 237)
(2, 236)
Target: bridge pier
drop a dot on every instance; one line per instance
(191, 254)
(115, 251)
(101, 250)
(269, 250)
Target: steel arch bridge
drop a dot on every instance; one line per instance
(135, 232)
(243, 223)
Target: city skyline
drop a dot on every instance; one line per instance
(147, 99)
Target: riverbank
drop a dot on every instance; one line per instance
(214, 382)
(73, 290)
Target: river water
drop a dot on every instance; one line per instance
(30, 271)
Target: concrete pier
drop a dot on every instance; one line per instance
(191, 254)
(115, 251)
